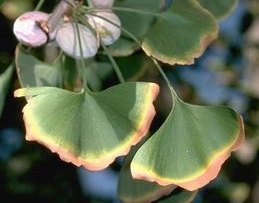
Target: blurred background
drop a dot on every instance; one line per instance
(226, 74)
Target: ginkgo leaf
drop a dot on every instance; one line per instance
(219, 8)
(190, 147)
(139, 191)
(181, 33)
(87, 128)
(33, 72)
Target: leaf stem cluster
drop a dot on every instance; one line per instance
(135, 39)
(82, 10)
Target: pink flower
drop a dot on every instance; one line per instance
(102, 3)
(36, 28)
(27, 30)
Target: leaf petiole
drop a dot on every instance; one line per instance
(82, 66)
(156, 63)
(114, 64)
(124, 9)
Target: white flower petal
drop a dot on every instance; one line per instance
(102, 3)
(27, 30)
(67, 40)
(107, 31)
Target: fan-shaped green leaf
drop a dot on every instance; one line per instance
(181, 33)
(5, 78)
(32, 72)
(219, 8)
(89, 129)
(138, 191)
(190, 147)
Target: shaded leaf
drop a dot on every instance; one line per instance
(135, 66)
(129, 19)
(5, 79)
(89, 129)
(96, 72)
(33, 72)
(125, 46)
(184, 31)
(138, 191)
(69, 72)
(219, 8)
(181, 197)
(190, 147)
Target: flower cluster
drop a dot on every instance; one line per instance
(101, 25)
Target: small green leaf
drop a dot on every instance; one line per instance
(190, 147)
(181, 33)
(32, 72)
(89, 129)
(136, 191)
(219, 8)
(5, 79)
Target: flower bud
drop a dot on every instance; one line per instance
(67, 39)
(27, 30)
(102, 3)
(107, 31)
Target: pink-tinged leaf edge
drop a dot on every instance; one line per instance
(34, 133)
(203, 179)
